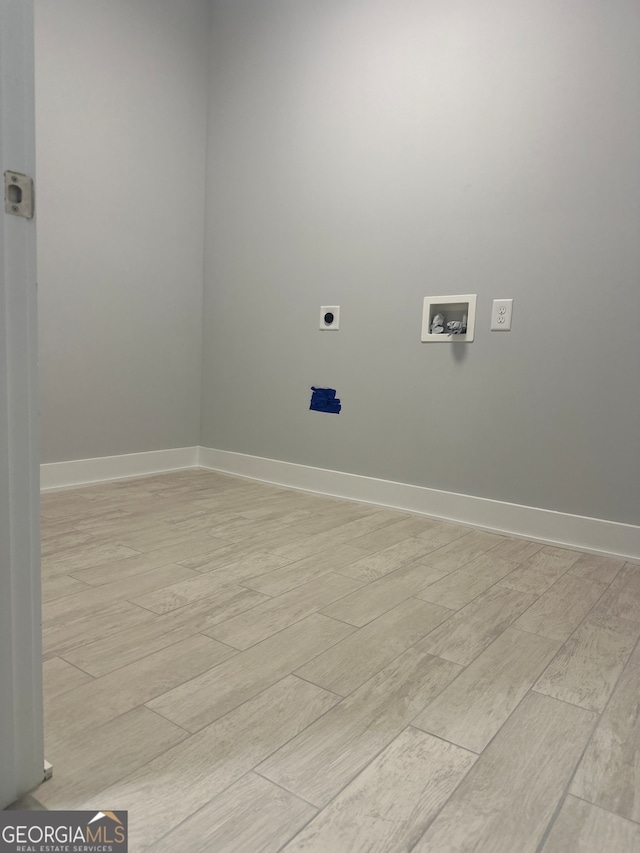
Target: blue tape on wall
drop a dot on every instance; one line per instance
(325, 400)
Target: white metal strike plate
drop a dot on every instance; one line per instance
(18, 194)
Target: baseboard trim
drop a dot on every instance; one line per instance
(594, 535)
(82, 472)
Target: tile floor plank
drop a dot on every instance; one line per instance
(328, 754)
(85, 556)
(609, 773)
(509, 796)
(240, 529)
(338, 729)
(596, 568)
(461, 551)
(472, 709)
(393, 534)
(193, 589)
(394, 798)
(583, 828)
(380, 596)
(94, 599)
(159, 632)
(98, 757)
(586, 668)
(58, 677)
(460, 587)
(291, 575)
(622, 599)
(541, 570)
(271, 539)
(332, 517)
(470, 630)
(154, 536)
(443, 533)
(60, 586)
(116, 521)
(340, 535)
(64, 505)
(516, 550)
(275, 614)
(381, 563)
(253, 814)
(126, 646)
(213, 759)
(120, 570)
(200, 701)
(109, 696)
(250, 556)
(559, 610)
(356, 659)
(61, 637)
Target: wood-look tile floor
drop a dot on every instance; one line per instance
(246, 668)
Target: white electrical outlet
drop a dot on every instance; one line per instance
(501, 315)
(330, 317)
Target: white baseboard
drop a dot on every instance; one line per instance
(542, 525)
(81, 472)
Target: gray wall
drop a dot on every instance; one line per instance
(364, 154)
(368, 154)
(121, 125)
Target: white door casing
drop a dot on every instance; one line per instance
(21, 726)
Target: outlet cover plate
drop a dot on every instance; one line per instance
(332, 325)
(501, 311)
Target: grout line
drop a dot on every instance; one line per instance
(604, 809)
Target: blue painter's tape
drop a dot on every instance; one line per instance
(325, 400)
